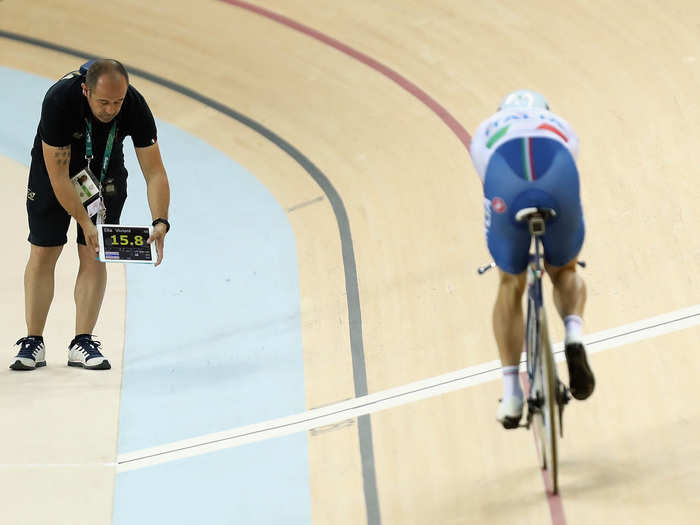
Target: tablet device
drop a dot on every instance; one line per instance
(120, 243)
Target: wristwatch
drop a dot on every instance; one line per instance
(163, 221)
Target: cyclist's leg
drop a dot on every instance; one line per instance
(508, 329)
(570, 299)
(564, 234)
(569, 288)
(508, 318)
(562, 243)
(508, 243)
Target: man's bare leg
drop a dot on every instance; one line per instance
(90, 285)
(39, 286)
(90, 288)
(38, 295)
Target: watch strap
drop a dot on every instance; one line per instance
(162, 221)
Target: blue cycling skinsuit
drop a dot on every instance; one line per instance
(527, 157)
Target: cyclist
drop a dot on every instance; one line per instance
(525, 156)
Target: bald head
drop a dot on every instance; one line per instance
(113, 69)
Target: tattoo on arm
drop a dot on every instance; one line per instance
(62, 156)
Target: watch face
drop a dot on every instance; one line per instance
(126, 243)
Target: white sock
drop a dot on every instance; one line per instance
(511, 382)
(574, 329)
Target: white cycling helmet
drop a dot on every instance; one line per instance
(522, 99)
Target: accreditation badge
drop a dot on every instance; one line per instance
(88, 190)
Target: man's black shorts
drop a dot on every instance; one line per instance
(49, 221)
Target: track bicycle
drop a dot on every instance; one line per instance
(546, 394)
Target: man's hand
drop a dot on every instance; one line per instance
(157, 190)
(158, 235)
(90, 231)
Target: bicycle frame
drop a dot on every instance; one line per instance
(533, 328)
(534, 304)
(546, 395)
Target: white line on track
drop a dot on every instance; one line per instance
(16, 466)
(434, 386)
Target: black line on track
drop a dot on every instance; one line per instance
(351, 287)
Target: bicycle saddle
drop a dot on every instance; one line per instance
(525, 214)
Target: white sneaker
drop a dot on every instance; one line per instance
(30, 355)
(84, 351)
(509, 412)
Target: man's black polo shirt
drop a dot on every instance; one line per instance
(63, 114)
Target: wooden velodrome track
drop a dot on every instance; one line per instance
(625, 75)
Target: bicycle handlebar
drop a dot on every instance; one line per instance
(481, 270)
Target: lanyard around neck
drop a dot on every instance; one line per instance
(108, 147)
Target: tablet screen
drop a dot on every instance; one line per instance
(125, 244)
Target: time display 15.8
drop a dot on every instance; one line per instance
(125, 244)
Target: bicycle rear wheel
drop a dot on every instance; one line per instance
(550, 408)
(533, 347)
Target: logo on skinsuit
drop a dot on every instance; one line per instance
(498, 205)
